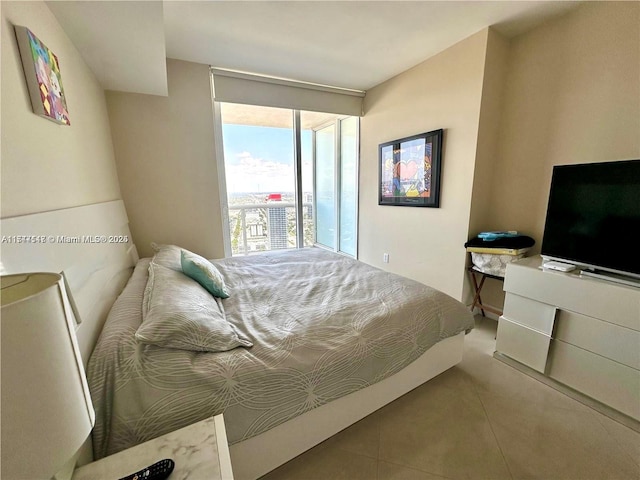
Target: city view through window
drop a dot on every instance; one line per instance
(260, 178)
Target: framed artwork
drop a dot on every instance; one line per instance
(42, 73)
(410, 170)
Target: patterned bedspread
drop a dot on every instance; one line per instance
(322, 325)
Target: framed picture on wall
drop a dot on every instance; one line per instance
(42, 74)
(410, 170)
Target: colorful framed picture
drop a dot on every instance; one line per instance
(410, 170)
(42, 73)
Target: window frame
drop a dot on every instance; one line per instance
(297, 147)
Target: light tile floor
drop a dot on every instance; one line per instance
(479, 420)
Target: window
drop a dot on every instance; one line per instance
(348, 204)
(325, 186)
(289, 179)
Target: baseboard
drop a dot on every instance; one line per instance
(488, 314)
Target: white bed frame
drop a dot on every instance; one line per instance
(96, 273)
(259, 455)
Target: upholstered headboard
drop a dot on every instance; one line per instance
(91, 245)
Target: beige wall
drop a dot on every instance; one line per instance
(426, 244)
(565, 92)
(46, 166)
(165, 157)
(481, 218)
(572, 96)
(493, 84)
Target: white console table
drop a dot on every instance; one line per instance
(579, 332)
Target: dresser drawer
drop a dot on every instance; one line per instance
(523, 344)
(607, 381)
(614, 303)
(529, 313)
(606, 339)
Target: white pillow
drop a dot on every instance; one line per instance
(177, 312)
(167, 256)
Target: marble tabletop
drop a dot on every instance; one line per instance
(199, 451)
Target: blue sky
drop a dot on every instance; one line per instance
(260, 159)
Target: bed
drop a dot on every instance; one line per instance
(333, 339)
(96, 274)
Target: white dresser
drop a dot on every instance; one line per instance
(581, 332)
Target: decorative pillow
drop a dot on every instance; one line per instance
(203, 272)
(180, 313)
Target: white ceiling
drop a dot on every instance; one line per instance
(348, 44)
(122, 42)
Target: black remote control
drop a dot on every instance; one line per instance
(158, 471)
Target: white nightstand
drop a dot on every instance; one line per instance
(199, 451)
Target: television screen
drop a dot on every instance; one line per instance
(593, 216)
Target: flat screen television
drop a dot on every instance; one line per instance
(593, 218)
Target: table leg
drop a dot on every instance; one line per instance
(477, 300)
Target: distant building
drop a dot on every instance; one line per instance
(277, 223)
(308, 198)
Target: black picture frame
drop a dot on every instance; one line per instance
(409, 170)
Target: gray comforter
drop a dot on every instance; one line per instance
(322, 326)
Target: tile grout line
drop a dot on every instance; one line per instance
(412, 467)
(504, 458)
(615, 438)
(396, 463)
(486, 414)
(587, 411)
(407, 466)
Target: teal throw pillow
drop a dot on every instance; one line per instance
(203, 272)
